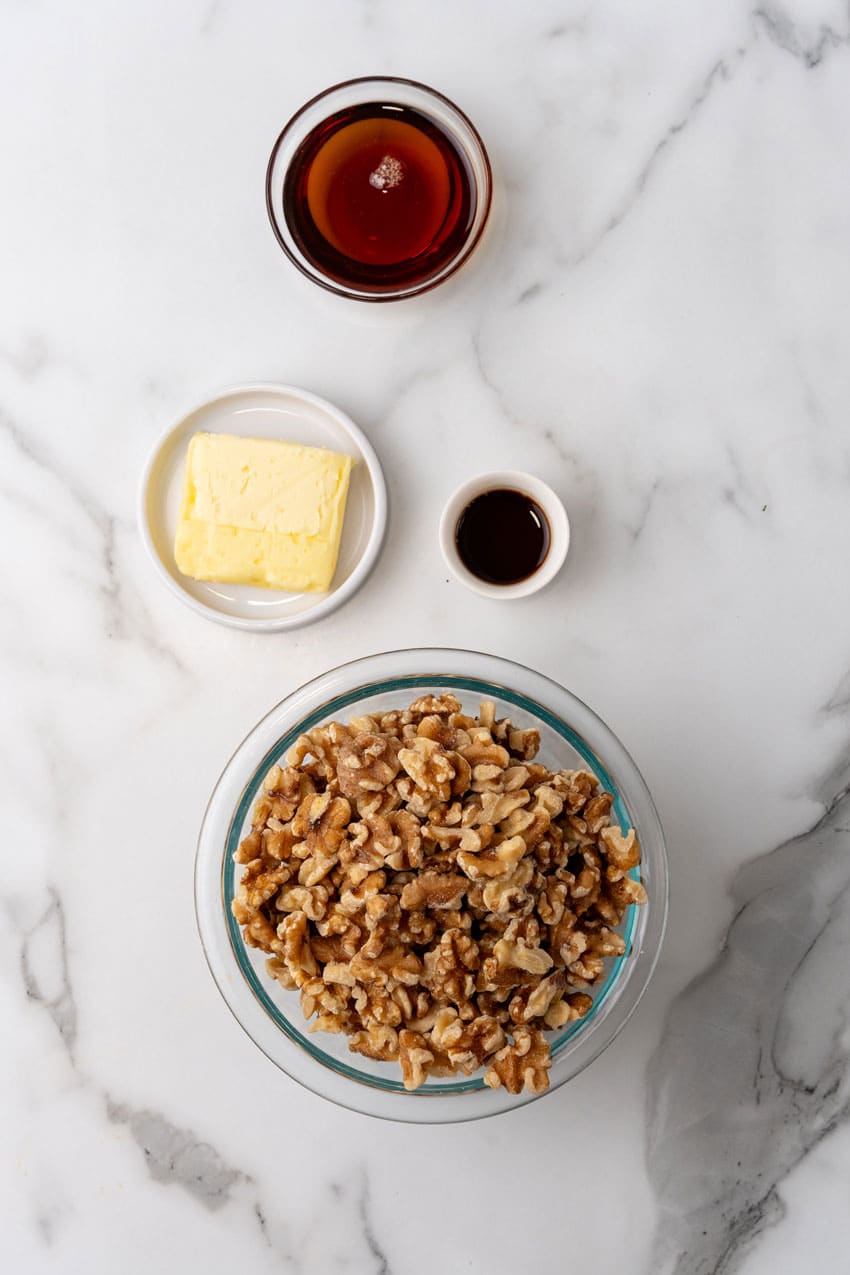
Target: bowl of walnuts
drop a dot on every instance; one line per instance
(431, 885)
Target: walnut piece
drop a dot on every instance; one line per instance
(523, 1065)
(367, 764)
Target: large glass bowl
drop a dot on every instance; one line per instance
(572, 736)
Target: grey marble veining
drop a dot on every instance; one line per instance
(44, 969)
(382, 1266)
(810, 47)
(717, 74)
(174, 1156)
(177, 1156)
(657, 327)
(753, 1067)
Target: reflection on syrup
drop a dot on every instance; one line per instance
(502, 536)
(378, 197)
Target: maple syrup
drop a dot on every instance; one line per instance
(502, 536)
(379, 197)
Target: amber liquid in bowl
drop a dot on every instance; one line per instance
(379, 197)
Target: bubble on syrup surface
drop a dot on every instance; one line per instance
(389, 173)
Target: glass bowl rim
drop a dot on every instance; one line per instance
(484, 194)
(438, 1100)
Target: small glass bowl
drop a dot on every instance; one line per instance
(572, 736)
(393, 91)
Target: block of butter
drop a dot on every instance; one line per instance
(262, 512)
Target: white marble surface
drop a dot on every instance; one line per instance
(659, 327)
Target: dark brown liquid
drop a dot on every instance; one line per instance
(378, 197)
(502, 536)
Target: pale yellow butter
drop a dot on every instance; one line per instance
(262, 512)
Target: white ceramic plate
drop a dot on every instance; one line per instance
(265, 411)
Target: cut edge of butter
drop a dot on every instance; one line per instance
(262, 512)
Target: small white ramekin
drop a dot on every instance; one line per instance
(543, 496)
